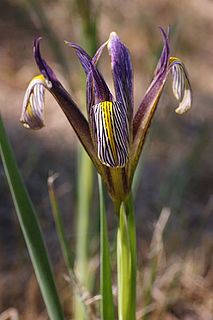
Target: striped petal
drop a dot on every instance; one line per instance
(181, 86)
(84, 57)
(122, 72)
(111, 133)
(33, 105)
(98, 53)
(146, 110)
(163, 61)
(97, 89)
(148, 104)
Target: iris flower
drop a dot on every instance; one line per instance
(112, 134)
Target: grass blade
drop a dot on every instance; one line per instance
(30, 228)
(107, 307)
(126, 262)
(133, 249)
(68, 258)
(67, 255)
(124, 267)
(85, 187)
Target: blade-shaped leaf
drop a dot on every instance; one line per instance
(68, 257)
(126, 261)
(30, 228)
(107, 307)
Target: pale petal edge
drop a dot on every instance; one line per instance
(32, 116)
(180, 85)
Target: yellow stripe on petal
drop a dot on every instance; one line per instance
(106, 107)
(181, 86)
(33, 105)
(110, 132)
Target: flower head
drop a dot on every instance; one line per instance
(111, 135)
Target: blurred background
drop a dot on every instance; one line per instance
(175, 171)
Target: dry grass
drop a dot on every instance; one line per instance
(168, 287)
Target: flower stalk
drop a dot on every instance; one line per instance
(126, 261)
(107, 306)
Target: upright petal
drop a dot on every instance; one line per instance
(98, 53)
(181, 89)
(122, 72)
(96, 86)
(83, 56)
(110, 130)
(149, 103)
(181, 86)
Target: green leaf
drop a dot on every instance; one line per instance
(84, 196)
(132, 241)
(30, 228)
(107, 307)
(68, 257)
(67, 254)
(126, 262)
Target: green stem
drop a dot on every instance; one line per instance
(68, 258)
(107, 307)
(85, 183)
(126, 261)
(89, 16)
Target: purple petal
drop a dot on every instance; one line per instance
(83, 56)
(149, 103)
(99, 53)
(122, 71)
(163, 61)
(90, 92)
(97, 89)
(69, 107)
(47, 72)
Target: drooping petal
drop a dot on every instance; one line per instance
(98, 87)
(69, 107)
(111, 133)
(122, 72)
(163, 61)
(33, 105)
(47, 72)
(181, 86)
(149, 103)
